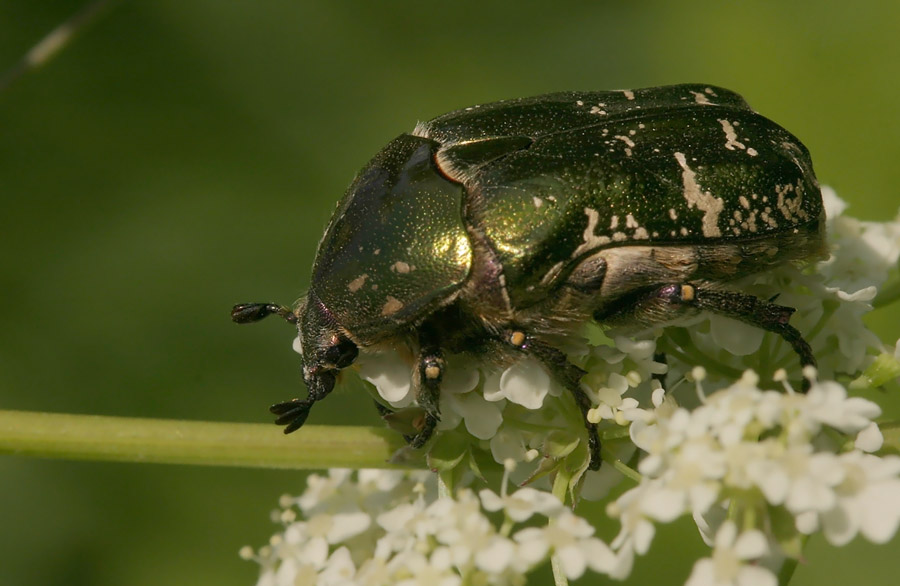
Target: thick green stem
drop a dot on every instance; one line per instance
(787, 571)
(888, 294)
(255, 445)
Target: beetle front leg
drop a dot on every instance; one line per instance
(570, 376)
(292, 414)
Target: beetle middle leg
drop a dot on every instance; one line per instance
(568, 374)
(428, 376)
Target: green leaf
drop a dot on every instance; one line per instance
(448, 451)
(883, 369)
(576, 465)
(559, 444)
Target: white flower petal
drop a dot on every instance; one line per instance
(882, 512)
(751, 544)
(347, 525)
(390, 375)
(525, 383)
(756, 576)
(869, 439)
(735, 336)
(496, 556)
(572, 561)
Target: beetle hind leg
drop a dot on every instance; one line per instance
(666, 303)
(756, 312)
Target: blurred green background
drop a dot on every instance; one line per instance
(179, 157)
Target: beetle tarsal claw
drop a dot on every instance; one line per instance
(292, 414)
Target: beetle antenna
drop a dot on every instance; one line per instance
(246, 313)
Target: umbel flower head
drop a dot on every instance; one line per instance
(716, 432)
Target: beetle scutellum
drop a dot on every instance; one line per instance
(490, 229)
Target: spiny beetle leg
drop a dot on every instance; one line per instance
(756, 312)
(669, 301)
(570, 376)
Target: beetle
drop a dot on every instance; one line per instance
(490, 230)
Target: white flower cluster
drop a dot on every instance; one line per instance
(758, 456)
(382, 528)
(758, 469)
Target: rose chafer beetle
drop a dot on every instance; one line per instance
(491, 230)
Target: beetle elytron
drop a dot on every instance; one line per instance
(490, 229)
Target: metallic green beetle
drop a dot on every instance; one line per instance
(491, 229)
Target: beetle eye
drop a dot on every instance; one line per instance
(342, 354)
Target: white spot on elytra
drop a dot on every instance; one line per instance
(629, 95)
(790, 206)
(731, 139)
(598, 110)
(627, 141)
(402, 267)
(752, 152)
(703, 200)
(591, 240)
(538, 202)
(673, 214)
(630, 222)
(614, 222)
(701, 98)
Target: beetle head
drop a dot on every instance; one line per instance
(324, 347)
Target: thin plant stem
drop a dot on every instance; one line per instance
(254, 445)
(560, 488)
(52, 43)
